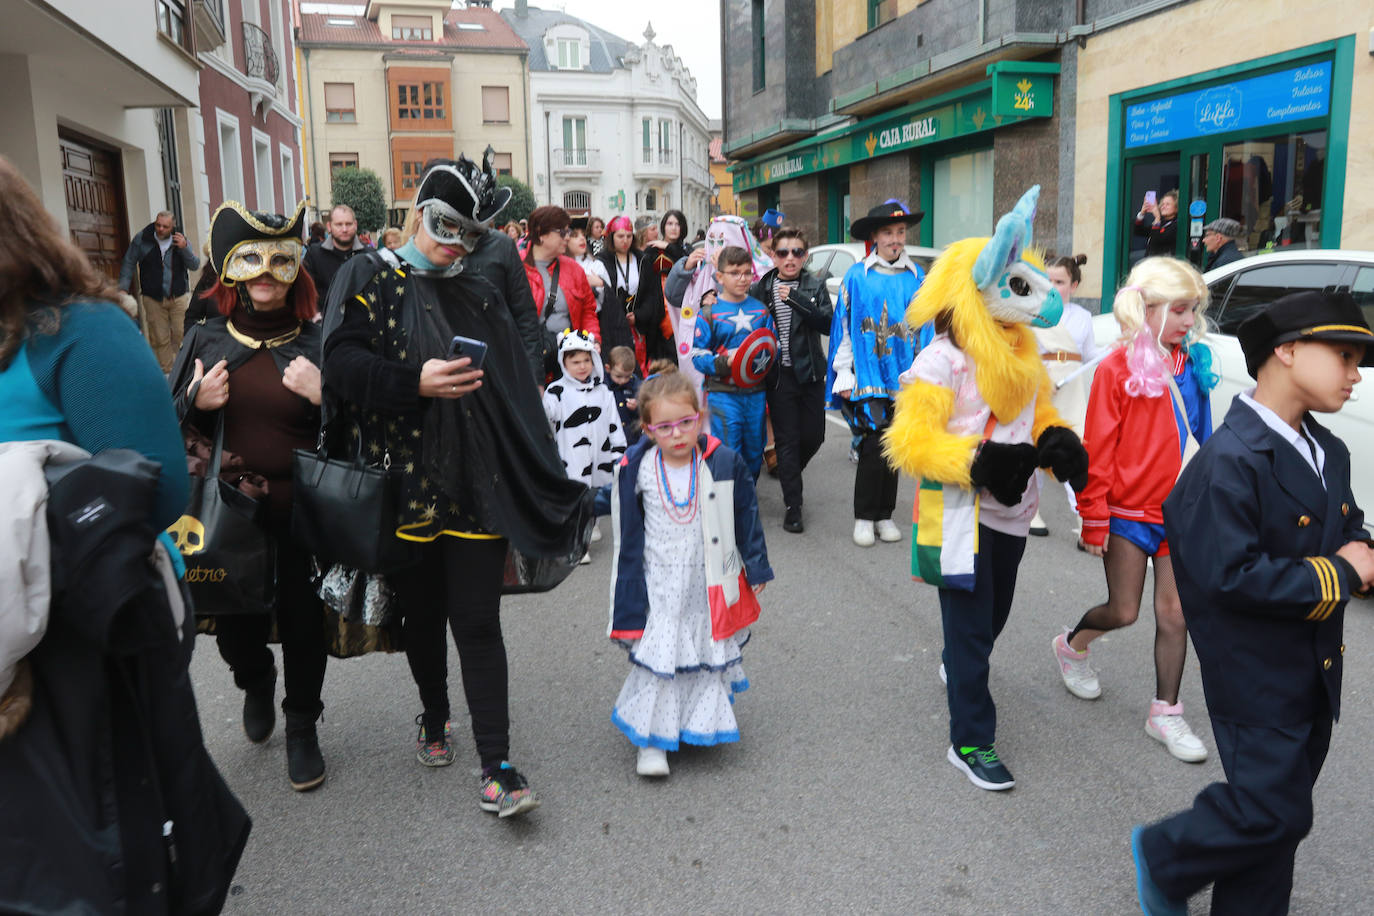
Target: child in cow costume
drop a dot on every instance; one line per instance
(972, 422)
(582, 410)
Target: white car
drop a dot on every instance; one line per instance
(1242, 287)
(836, 259)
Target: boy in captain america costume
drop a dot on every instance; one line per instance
(734, 379)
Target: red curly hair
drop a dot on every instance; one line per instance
(301, 296)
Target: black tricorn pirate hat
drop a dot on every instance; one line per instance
(893, 211)
(233, 224)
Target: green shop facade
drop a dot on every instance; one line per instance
(939, 155)
(1262, 142)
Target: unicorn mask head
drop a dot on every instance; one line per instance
(1015, 290)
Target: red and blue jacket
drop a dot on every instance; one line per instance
(736, 555)
(1135, 444)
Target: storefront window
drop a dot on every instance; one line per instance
(1273, 188)
(963, 197)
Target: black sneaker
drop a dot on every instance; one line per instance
(982, 767)
(792, 520)
(505, 792)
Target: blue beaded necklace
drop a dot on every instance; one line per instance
(684, 511)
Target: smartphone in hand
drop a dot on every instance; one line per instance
(461, 346)
(1150, 198)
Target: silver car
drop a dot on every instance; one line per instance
(1241, 288)
(836, 259)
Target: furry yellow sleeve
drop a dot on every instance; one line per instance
(919, 443)
(1045, 414)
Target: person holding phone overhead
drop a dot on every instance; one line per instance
(480, 473)
(1157, 220)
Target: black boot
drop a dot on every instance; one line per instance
(792, 520)
(259, 712)
(304, 762)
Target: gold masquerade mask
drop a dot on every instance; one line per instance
(249, 260)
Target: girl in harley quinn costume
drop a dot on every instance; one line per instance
(689, 561)
(1148, 411)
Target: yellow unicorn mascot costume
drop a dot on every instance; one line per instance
(973, 421)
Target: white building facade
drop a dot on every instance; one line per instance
(615, 126)
(100, 113)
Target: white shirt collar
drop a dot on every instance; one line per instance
(902, 263)
(1290, 435)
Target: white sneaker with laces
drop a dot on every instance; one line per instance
(888, 531)
(863, 532)
(651, 761)
(1166, 726)
(1079, 677)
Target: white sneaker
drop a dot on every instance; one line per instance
(586, 559)
(863, 532)
(1166, 726)
(596, 533)
(651, 761)
(888, 531)
(1079, 677)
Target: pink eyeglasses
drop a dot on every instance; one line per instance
(672, 426)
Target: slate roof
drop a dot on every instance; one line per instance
(606, 49)
(497, 35)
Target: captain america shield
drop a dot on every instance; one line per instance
(750, 363)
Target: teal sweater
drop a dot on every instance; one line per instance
(94, 383)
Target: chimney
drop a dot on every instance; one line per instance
(522, 8)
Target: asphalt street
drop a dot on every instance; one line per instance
(838, 798)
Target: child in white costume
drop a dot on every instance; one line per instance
(586, 422)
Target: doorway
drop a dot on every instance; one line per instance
(92, 181)
(1153, 174)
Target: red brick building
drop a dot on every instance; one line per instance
(248, 108)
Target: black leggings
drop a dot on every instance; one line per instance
(459, 581)
(242, 639)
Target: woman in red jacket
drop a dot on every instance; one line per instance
(567, 301)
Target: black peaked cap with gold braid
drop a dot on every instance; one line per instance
(234, 224)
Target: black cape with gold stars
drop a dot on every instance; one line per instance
(483, 463)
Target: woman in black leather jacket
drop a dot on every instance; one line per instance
(801, 309)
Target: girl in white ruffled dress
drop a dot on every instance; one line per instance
(689, 560)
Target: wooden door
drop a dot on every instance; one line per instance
(93, 181)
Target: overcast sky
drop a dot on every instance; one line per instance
(692, 27)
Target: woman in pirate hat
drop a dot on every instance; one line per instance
(480, 471)
(253, 366)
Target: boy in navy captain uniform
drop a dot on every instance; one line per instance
(1268, 546)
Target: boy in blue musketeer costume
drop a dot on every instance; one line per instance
(870, 346)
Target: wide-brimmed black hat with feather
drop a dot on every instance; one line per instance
(472, 192)
(892, 211)
(233, 224)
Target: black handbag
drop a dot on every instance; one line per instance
(345, 511)
(230, 557)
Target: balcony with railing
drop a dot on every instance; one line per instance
(697, 173)
(259, 65)
(259, 57)
(576, 159)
